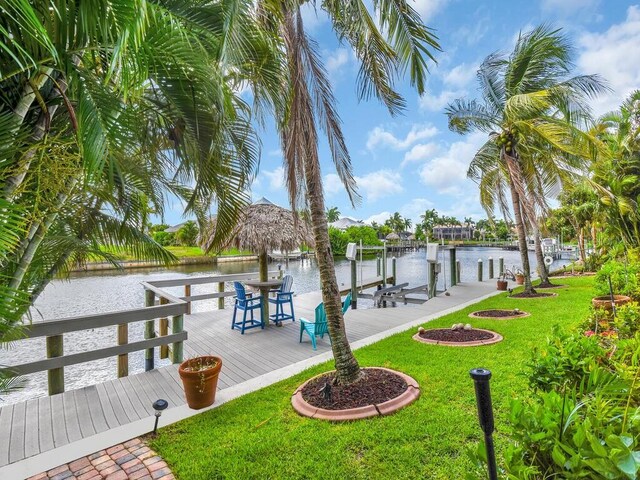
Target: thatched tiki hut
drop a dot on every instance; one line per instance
(262, 228)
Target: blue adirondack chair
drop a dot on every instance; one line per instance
(319, 326)
(284, 296)
(246, 303)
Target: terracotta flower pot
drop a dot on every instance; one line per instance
(605, 301)
(200, 385)
(519, 279)
(502, 285)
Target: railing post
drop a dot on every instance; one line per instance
(149, 330)
(177, 327)
(453, 267)
(55, 348)
(394, 271)
(187, 293)
(384, 264)
(479, 269)
(501, 265)
(490, 267)
(221, 299)
(164, 330)
(123, 359)
(354, 285)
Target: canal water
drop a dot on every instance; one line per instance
(105, 291)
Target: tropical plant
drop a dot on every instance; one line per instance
(333, 214)
(188, 234)
(107, 108)
(531, 110)
(386, 44)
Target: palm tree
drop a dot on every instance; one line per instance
(531, 110)
(136, 100)
(405, 44)
(333, 215)
(406, 224)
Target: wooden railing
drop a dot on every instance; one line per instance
(167, 307)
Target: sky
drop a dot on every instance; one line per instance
(412, 163)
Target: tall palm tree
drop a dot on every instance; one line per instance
(106, 110)
(531, 109)
(385, 47)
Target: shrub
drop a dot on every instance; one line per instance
(624, 279)
(164, 238)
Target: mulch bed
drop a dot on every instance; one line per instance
(499, 313)
(461, 336)
(550, 285)
(533, 295)
(376, 386)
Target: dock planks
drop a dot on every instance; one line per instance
(40, 425)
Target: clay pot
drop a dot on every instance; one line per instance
(519, 279)
(502, 285)
(605, 301)
(200, 386)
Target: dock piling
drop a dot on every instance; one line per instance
(458, 271)
(177, 326)
(55, 376)
(490, 267)
(378, 265)
(221, 299)
(501, 265)
(479, 269)
(394, 271)
(149, 331)
(123, 359)
(354, 285)
(164, 330)
(453, 266)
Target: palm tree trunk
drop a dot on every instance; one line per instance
(522, 234)
(583, 255)
(347, 368)
(542, 268)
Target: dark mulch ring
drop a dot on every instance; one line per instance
(533, 295)
(549, 285)
(460, 336)
(499, 313)
(376, 386)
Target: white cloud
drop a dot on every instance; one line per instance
(335, 61)
(428, 8)
(332, 184)
(415, 208)
(435, 103)
(275, 177)
(276, 152)
(461, 75)
(312, 17)
(615, 55)
(380, 184)
(420, 152)
(448, 172)
(379, 218)
(380, 136)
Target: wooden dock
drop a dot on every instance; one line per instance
(44, 432)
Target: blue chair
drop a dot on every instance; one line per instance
(319, 326)
(284, 296)
(246, 303)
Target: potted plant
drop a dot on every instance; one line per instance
(519, 276)
(200, 379)
(616, 282)
(502, 282)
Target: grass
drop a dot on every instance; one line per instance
(259, 436)
(183, 252)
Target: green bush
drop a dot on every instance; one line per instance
(624, 279)
(165, 239)
(339, 239)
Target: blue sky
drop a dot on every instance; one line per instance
(412, 162)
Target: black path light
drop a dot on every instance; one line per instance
(481, 377)
(159, 405)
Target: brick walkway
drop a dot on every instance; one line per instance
(131, 460)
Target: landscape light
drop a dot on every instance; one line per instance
(159, 405)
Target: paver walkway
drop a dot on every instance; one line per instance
(131, 460)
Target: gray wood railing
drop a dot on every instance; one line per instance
(169, 306)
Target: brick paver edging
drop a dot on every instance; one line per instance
(130, 460)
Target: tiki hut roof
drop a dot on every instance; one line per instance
(265, 227)
(393, 236)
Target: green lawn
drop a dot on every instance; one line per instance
(185, 252)
(259, 435)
